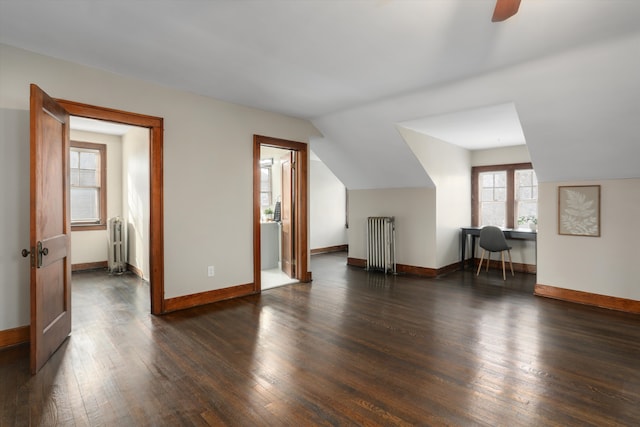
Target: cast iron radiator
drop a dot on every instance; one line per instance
(117, 246)
(381, 244)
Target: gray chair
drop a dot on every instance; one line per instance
(492, 240)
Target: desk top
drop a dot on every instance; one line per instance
(510, 233)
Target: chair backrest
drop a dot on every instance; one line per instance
(492, 239)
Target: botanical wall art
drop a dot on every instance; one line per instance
(579, 210)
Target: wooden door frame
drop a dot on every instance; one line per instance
(156, 190)
(301, 213)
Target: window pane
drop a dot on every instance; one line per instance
(493, 196)
(88, 178)
(526, 196)
(524, 177)
(74, 159)
(265, 199)
(486, 195)
(527, 209)
(525, 193)
(88, 160)
(500, 179)
(487, 179)
(265, 179)
(492, 214)
(84, 204)
(75, 177)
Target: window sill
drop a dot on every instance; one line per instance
(88, 227)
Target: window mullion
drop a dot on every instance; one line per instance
(510, 198)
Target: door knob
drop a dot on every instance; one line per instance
(44, 251)
(25, 253)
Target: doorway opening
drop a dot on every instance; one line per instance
(277, 205)
(154, 127)
(109, 194)
(280, 212)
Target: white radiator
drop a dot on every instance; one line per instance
(381, 244)
(117, 245)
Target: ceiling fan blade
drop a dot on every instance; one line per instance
(505, 9)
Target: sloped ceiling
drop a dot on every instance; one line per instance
(359, 69)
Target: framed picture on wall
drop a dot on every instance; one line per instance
(579, 210)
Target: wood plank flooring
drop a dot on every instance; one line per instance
(351, 348)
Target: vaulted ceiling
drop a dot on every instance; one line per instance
(560, 75)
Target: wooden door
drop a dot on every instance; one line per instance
(287, 207)
(50, 228)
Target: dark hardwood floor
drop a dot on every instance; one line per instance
(352, 348)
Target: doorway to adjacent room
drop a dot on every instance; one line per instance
(280, 212)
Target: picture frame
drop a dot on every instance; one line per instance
(579, 210)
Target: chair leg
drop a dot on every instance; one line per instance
(488, 261)
(504, 276)
(480, 265)
(510, 263)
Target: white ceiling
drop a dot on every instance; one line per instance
(98, 126)
(476, 129)
(359, 68)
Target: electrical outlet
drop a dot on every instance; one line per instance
(210, 271)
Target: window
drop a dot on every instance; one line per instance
(502, 194)
(265, 182)
(88, 186)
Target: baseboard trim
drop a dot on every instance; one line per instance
(587, 298)
(416, 271)
(410, 269)
(15, 336)
(328, 249)
(202, 298)
(357, 262)
(135, 270)
(89, 266)
(497, 264)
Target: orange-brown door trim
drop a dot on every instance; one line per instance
(301, 215)
(156, 196)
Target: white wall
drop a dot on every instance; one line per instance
(605, 265)
(91, 245)
(415, 213)
(14, 219)
(208, 170)
(500, 156)
(449, 168)
(327, 207)
(135, 197)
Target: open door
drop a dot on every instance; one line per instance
(50, 228)
(287, 209)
